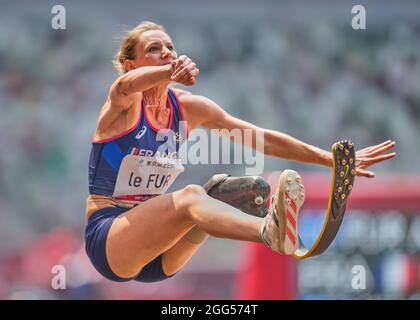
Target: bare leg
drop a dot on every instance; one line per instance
(239, 192)
(176, 257)
(153, 227)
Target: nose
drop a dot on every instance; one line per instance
(166, 53)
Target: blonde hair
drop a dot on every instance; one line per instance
(129, 41)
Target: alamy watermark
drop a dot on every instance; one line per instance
(204, 147)
(358, 281)
(58, 21)
(58, 281)
(358, 22)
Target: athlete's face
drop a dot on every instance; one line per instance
(155, 48)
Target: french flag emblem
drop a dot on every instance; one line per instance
(134, 151)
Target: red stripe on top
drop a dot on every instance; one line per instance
(171, 116)
(181, 111)
(291, 236)
(291, 219)
(292, 203)
(125, 132)
(136, 151)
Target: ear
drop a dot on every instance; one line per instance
(129, 65)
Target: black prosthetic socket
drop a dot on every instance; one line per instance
(248, 193)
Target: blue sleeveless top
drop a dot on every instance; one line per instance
(142, 162)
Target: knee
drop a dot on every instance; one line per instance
(190, 196)
(194, 190)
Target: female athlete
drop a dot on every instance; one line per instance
(137, 231)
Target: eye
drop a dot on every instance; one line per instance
(153, 49)
(171, 48)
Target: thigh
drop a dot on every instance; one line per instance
(144, 232)
(96, 233)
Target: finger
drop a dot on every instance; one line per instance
(179, 75)
(374, 151)
(183, 72)
(191, 81)
(186, 76)
(195, 72)
(384, 144)
(182, 67)
(187, 79)
(365, 173)
(176, 66)
(173, 65)
(178, 62)
(188, 82)
(369, 150)
(383, 149)
(378, 159)
(182, 58)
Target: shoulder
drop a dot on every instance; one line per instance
(195, 107)
(192, 103)
(188, 99)
(200, 110)
(198, 104)
(181, 94)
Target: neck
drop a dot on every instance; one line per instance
(155, 98)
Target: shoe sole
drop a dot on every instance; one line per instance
(290, 198)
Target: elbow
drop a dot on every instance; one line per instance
(117, 89)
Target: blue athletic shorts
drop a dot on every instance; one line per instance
(96, 233)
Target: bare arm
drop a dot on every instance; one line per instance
(137, 80)
(207, 113)
(125, 91)
(284, 146)
(182, 70)
(204, 112)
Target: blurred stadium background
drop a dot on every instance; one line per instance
(299, 68)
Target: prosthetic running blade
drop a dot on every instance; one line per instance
(343, 174)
